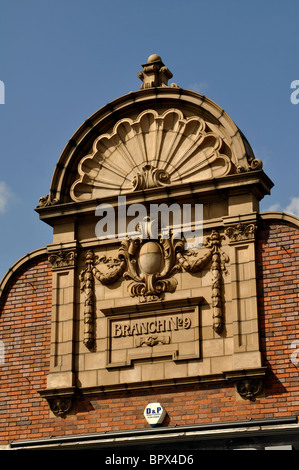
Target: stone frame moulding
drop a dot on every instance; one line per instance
(160, 321)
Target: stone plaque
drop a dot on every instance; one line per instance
(169, 333)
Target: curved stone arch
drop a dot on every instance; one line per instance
(131, 106)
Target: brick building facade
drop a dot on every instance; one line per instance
(227, 372)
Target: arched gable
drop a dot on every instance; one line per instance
(179, 132)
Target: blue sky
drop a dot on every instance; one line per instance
(62, 60)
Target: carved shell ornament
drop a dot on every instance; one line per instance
(151, 151)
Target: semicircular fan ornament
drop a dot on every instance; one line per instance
(151, 151)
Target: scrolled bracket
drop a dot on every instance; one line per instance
(254, 164)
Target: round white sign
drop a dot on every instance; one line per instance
(154, 413)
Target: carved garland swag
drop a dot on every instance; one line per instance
(152, 279)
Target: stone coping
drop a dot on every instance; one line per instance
(18, 266)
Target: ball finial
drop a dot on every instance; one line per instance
(154, 58)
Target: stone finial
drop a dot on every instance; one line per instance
(155, 73)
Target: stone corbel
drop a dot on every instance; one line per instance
(60, 406)
(60, 401)
(249, 389)
(248, 383)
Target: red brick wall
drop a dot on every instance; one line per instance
(25, 322)
(25, 331)
(278, 291)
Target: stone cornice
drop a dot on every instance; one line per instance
(65, 396)
(222, 187)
